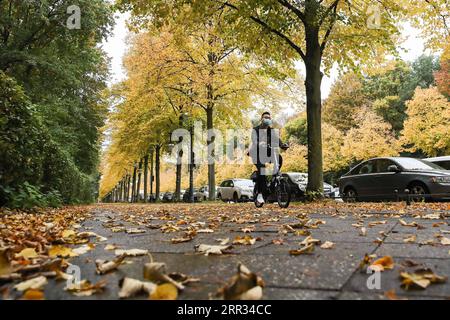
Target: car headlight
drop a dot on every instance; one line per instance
(441, 179)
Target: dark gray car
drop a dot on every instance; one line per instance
(387, 179)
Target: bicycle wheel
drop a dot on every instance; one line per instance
(283, 193)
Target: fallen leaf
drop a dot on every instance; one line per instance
(166, 291)
(181, 240)
(421, 278)
(327, 245)
(131, 252)
(5, 266)
(309, 240)
(130, 287)
(391, 295)
(110, 247)
(245, 285)
(33, 294)
(246, 240)
(223, 242)
(82, 250)
(384, 263)
(134, 231)
(205, 231)
(410, 239)
(85, 288)
(156, 272)
(445, 241)
(61, 251)
(211, 249)
(35, 283)
(363, 232)
(305, 250)
(68, 233)
(28, 253)
(107, 266)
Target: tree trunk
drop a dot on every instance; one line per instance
(157, 169)
(179, 166)
(138, 188)
(128, 188)
(313, 109)
(211, 160)
(133, 185)
(151, 173)
(145, 178)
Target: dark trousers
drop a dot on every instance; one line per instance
(261, 182)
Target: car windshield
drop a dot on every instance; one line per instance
(244, 183)
(416, 164)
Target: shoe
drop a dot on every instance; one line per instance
(260, 198)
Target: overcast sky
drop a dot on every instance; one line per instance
(116, 48)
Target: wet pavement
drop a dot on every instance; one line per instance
(324, 274)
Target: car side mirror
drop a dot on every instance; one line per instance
(393, 168)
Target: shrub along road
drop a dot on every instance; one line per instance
(316, 251)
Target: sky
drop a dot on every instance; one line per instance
(116, 47)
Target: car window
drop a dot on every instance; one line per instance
(244, 183)
(417, 164)
(224, 184)
(230, 184)
(368, 167)
(355, 170)
(382, 165)
(443, 164)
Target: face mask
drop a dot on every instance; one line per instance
(267, 122)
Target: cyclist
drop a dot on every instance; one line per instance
(263, 151)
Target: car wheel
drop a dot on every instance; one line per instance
(235, 197)
(418, 192)
(350, 195)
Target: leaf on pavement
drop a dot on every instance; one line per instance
(5, 266)
(445, 241)
(28, 253)
(131, 252)
(421, 279)
(381, 264)
(110, 247)
(85, 288)
(308, 249)
(33, 294)
(327, 245)
(103, 266)
(61, 251)
(135, 231)
(245, 285)
(35, 283)
(363, 232)
(410, 239)
(211, 249)
(131, 287)
(166, 291)
(156, 272)
(246, 240)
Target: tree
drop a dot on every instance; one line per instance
(443, 75)
(432, 17)
(317, 32)
(427, 126)
(36, 44)
(347, 97)
(372, 137)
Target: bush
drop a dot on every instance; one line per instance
(34, 169)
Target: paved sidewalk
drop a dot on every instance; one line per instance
(324, 274)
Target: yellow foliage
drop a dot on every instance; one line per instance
(427, 127)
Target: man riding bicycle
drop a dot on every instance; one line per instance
(264, 150)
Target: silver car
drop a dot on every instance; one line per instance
(236, 190)
(443, 162)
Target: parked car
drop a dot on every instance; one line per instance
(236, 190)
(205, 191)
(198, 196)
(387, 179)
(298, 182)
(168, 197)
(443, 162)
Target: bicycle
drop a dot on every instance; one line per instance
(276, 189)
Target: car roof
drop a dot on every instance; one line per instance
(445, 158)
